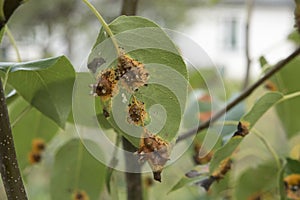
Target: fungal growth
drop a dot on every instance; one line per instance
(37, 148)
(80, 195)
(132, 73)
(156, 151)
(242, 129)
(217, 175)
(202, 157)
(106, 86)
(292, 186)
(137, 112)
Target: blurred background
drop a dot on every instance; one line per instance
(44, 29)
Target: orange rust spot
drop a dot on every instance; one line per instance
(292, 186)
(38, 145)
(270, 85)
(80, 195)
(34, 157)
(199, 159)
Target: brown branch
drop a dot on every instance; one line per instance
(247, 41)
(133, 180)
(9, 168)
(240, 98)
(9, 8)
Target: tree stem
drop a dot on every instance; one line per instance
(241, 97)
(133, 180)
(247, 42)
(9, 168)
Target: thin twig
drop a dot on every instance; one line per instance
(240, 98)
(13, 43)
(247, 42)
(9, 168)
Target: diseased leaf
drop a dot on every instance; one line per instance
(224, 152)
(164, 97)
(75, 169)
(21, 115)
(46, 84)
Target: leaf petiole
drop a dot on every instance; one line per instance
(104, 24)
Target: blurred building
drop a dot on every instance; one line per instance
(220, 31)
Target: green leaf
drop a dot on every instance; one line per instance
(292, 166)
(281, 184)
(46, 84)
(255, 181)
(21, 115)
(261, 106)
(164, 97)
(1, 34)
(75, 169)
(224, 152)
(286, 81)
(184, 181)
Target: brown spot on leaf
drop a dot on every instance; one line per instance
(137, 112)
(242, 129)
(132, 73)
(34, 157)
(38, 145)
(202, 157)
(80, 195)
(292, 186)
(156, 151)
(106, 86)
(222, 169)
(269, 85)
(95, 64)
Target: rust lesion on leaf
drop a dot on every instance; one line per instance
(223, 168)
(201, 156)
(132, 73)
(80, 195)
(155, 151)
(137, 113)
(292, 186)
(37, 148)
(242, 129)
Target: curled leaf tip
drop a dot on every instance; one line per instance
(155, 151)
(242, 129)
(157, 176)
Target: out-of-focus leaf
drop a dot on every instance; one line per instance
(75, 169)
(292, 166)
(294, 37)
(46, 84)
(260, 107)
(28, 124)
(255, 181)
(224, 152)
(286, 81)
